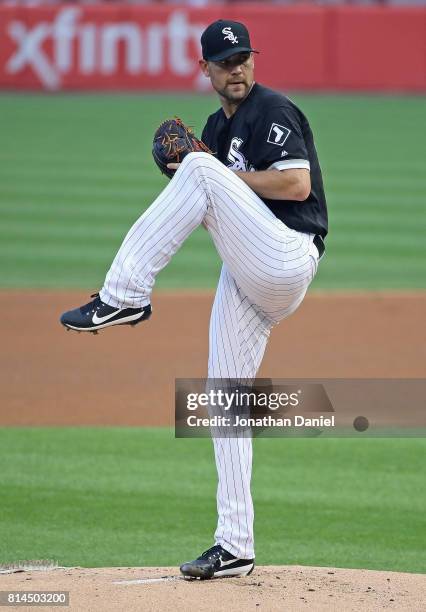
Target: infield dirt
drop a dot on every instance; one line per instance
(268, 589)
(125, 376)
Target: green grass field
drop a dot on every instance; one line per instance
(76, 171)
(105, 497)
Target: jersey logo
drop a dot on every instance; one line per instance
(278, 134)
(237, 159)
(229, 35)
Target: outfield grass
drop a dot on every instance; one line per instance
(76, 171)
(125, 497)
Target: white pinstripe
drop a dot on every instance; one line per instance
(266, 272)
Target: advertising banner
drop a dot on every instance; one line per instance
(125, 47)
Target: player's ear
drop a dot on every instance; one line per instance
(204, 67)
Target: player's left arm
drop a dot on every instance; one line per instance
(283, 168)
(288, 184)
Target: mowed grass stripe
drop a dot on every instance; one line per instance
(10, 233)
(82, 174)
(144, 164)
(205, 276)
(361, 168)
(91, 275)
(51, 226)
(411, 214)
(394, 274)
(112, 217)
(386, 262)
(353, 200)
(138, 183)
(54, 231)
(341, 282)
(88, 252)
(145, 168)
(70, 161)
(53, 216)
(376, 221)
(92, 278)
(337, 202)
(382, 186)
(375, 242)
(33, 202)
(85, 250)
(73, 191)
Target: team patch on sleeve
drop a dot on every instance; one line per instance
(278, 134)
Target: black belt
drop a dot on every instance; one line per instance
(319, 243)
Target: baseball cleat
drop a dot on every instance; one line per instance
(217, 562)
(98, 315)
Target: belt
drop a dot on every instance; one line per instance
(319, 243)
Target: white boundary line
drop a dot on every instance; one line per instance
(149, 580)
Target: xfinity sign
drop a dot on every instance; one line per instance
(69, 44)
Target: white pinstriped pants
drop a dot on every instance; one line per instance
(266, 271)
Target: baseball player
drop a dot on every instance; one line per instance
(261, 198)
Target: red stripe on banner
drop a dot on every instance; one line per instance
(381, 48)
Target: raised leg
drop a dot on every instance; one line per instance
(269, 261)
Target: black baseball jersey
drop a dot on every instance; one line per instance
(269, 131)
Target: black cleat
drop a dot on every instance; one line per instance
(217, 562)
(98, 315)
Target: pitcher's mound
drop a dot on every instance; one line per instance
(268, 588)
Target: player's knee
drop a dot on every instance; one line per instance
(198, 159)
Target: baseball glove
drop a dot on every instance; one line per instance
(173, 140)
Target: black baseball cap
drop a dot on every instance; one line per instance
(224, 38)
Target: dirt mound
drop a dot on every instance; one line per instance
(268, 588)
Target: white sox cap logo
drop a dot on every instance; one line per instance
(229, 35)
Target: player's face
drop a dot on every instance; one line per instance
(232, 78)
